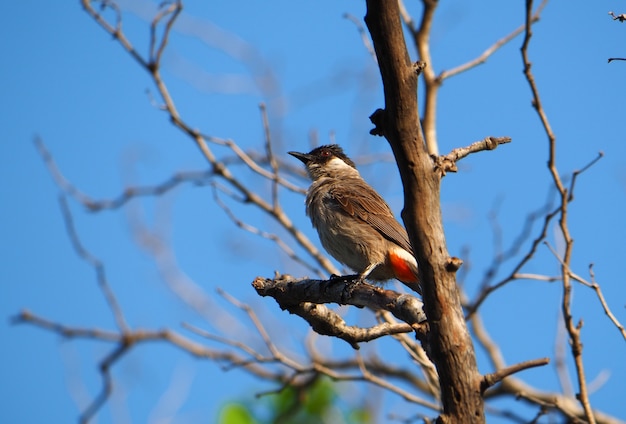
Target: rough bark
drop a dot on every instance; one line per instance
(450, 344)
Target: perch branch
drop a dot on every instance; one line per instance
(305, 298)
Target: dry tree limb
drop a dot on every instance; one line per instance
(482, 58)
(448, 162)
(564, 195)
(497, 376)
(305, 297)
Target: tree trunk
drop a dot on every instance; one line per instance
(450, 345)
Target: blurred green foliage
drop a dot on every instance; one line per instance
(315, 402)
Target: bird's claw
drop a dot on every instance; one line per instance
(346, 279)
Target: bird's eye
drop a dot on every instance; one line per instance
(325, 153)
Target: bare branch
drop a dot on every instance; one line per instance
(253, 163)
(27, 317)
(578, 172)
(128, 194)
(596, 287)
(488, 344)
(384, 383)
(264, 234)
(114, 30)
(57, 176)
(421, 40)
(495, 377)
(364, 36)
(345, 290)
(572, 329)
(593, 285)
(168, 14)
(302, 296)
(567, 406)
(492, 49)
(544, 212)
(560, 359)
(96, 264)
(270, 156)
(125, 341)
(448, 162)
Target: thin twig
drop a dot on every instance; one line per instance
(95, 263)
(59, 179)
(369, 376)
(254, 353)
(171, 13)
(27, 317)
(560, 359)
(491, 49)
(262, 331)
(365, 38)
(253, 163)
(487, 289)
(264, 234)
(270, 155)
(484, 339)
(596, 287)
(578, 172)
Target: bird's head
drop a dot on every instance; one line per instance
(327, 161)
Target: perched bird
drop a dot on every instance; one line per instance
(355, 224)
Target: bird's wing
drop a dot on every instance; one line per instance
(358, 199)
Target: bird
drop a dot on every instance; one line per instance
(354, 223)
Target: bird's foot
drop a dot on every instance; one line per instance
(346, 279)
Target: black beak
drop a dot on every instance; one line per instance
(305, 158)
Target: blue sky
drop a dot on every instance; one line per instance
(66, 81)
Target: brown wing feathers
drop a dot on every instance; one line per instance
(363, 202)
